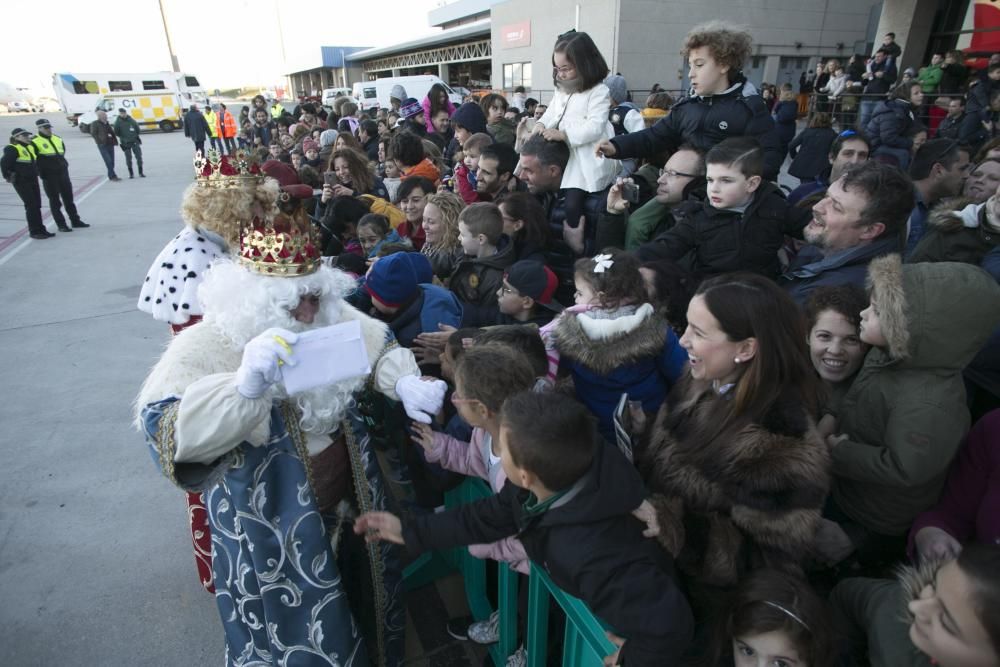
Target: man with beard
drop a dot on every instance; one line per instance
(282, 473)
(862, 216)
(496, 169)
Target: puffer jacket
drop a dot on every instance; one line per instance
(956, 233)
(476, 279)
(708, 241)
(905, 414)
(704, 122)
(891, 125)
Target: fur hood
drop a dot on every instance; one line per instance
(933, 314)
(953, 215)
(603, 345)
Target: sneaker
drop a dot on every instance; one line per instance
(486, 632)
(518, 658)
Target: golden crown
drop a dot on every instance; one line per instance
(214, 170)
(280, 246)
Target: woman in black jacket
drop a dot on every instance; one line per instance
(893, 124)
(720, 105)
(810, 150)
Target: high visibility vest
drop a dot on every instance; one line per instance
(276, 110)
(213, 128)
(48, 146)
(226, 125)
(25, 154)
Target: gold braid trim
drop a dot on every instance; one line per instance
(166, 443)
(290, 414)
(365, 504)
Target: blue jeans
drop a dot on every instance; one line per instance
(108, 155)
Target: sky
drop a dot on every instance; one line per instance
(225, 43)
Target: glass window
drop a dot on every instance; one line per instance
(153, 85)
(119, 86)
(191, 81)
(508, 76)
(85, 87)
(517, 74)
(526, 75)
(369, 93)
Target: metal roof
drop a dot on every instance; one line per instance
(461, 32)
(456, 11)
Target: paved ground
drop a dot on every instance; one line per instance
(95, 564)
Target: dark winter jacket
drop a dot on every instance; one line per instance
(636, 354)
(952, 79)
(891, 125)
(591, 546)
(127, 130)
(477, 279)
(883, 84)
(810, 152)
(371, 148)
(966, 129)
(704, 122)
(733, 501)
(103, 133)
(960, 235)
(810, 269)
(503, 131)
(905, 412)
(443, 262)
(978, 99)
(708, 241)
(785, 114)
(195, 126)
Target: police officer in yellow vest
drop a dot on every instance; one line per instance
(276, 110)
(54, 172)
(18, 168)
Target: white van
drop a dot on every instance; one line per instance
(375, 94)
(160, 110)
(330, 94)
(79, 93)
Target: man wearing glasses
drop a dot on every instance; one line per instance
(682, 178)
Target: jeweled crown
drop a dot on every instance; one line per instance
(281, 246)
(214, 170)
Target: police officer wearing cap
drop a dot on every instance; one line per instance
(54, 172)
(18, 168)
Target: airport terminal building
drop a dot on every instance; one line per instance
(502, 44)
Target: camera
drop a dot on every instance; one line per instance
(630, 193)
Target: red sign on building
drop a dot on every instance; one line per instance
(516, 34)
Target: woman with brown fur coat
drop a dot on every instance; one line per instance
(737, 469)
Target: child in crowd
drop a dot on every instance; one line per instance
(835, 346)
(297, 159)
(524, 297)
(374, 232)
(569, 499)
(495, 108)
(740, 226)
(613, 341)
(403, 296)
(440, 225)
(477, 279)
(578, 115)
(904, 416)
(485, 377)
(524, 340)
(412, 198)
(465, 171)
(311, 150)
(276, 152)
(776, 619)
(392, 179)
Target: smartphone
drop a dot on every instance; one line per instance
(630, 193)
(329, 178)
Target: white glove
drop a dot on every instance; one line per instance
(421, 398)
(261, 356)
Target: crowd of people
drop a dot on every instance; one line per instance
(721, 415)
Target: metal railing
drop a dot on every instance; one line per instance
(584, 642)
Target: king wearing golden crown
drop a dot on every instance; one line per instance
(283, 473)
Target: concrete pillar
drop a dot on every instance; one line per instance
(911, 21)
(443, 72)
(395, 71)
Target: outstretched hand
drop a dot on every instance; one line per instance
(606, 149)
(379, 527)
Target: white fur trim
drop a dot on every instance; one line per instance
(180, 266)
(604, 329)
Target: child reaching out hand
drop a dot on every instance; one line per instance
(570, 501)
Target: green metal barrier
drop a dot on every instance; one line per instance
(584, 642)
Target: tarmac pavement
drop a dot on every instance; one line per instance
(96, 566)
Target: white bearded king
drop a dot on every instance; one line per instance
(281, 474)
